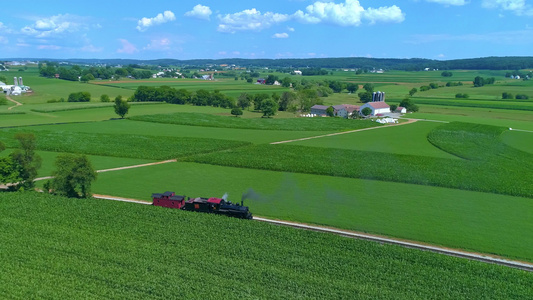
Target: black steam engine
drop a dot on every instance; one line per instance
(206, 205)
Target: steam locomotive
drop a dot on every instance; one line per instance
(207, 205)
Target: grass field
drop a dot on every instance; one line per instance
(454, 218)
(293, 124)
(103, 249)
(408, 139)
(333, 166)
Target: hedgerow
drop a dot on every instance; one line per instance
(293, 124)
(85, 106)
(120, 145)
(61, 248)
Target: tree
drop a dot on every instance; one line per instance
(271, 79)
(369, 87)
(286, 82)
(79, 97)
(352, 87)
(330, 111)
(269, 107)
(506, 95)
(409, 105)
(393, 107)
(86, 78)
(73, 176)
(3, 79)
(244, 101)
(237, 111)
(412, 91)
(366, 111)
(104, 98)
(365, 96)
(25, 161)
(446, 74)
(478, 81)
(286, 100)
(121, 106)
(258, 100)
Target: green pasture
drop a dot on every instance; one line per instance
(77, 112)
(520, 140)
(62, 248)
(292, 124)
(475, 221)
(408, 139)
(497, 117)
(120, 145)
(129, 127)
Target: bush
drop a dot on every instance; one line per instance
(79, 97)
(105, 98)
(237, 111)
(521, 96)
(425, 88)
(506, 95)
(446, 74)
(459, 95)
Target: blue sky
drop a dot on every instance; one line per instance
(435, 29)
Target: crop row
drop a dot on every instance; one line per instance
(460, 174)
(476, 142)
(62, 248)
(476, 104)
(120, 145)
(84, 106)
(293, 124)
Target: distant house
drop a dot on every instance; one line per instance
(319, 110)
(297, 72)
(401, 110)
(208, 77)
(261, 81)
(351, 108)
(377, 108)
(276, 83)
(340, 111)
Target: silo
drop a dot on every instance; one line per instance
(20, 81)
(15, 80)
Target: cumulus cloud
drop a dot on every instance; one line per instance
(91, 48)
(3, 40)
(49, 47)
(144, 23)
(290, 29)
(200, 12)
(283, 35)
(518, 7)
(449, 2)
(249, 19)
(127, 47)
(55, 25)
(349, 13)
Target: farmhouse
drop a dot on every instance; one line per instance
(401, 110)
(377, 108)
(319, 110)
(297, 72)
(342, 110)
(261, 81)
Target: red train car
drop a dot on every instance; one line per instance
(168, 199)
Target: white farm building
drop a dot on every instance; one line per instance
(377, 108)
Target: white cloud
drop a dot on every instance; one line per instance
(200, 12)
(518, 7)
(283, 35)
(3, 40)
(449, 2)
(49, 47)
(249, 19)
(290, 29)
(349, 13)
(144, 23)
(236, 53)
(222, 52)
(162, 44)
(55, 25)
(127, 47)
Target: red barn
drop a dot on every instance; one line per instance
(168, 199)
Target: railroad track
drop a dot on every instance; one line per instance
(450, 252)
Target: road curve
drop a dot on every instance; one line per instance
(446, 251)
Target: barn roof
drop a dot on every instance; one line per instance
(378, 104)
(351, 108)
(322, 107)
